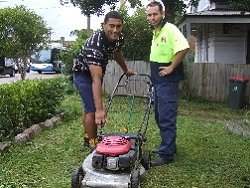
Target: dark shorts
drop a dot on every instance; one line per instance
(83, 83)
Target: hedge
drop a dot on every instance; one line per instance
(28, 102)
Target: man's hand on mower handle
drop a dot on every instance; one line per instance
(130, 72)
(100, 117)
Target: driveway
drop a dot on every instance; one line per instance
(31, 75)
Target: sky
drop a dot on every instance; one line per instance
(62, 19)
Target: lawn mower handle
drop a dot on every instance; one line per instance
(118, 84)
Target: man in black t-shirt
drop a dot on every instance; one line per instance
(89, 70)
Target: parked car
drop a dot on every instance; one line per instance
(7, 67)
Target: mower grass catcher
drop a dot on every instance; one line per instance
(118, 160)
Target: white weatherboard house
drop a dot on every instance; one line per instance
(222, 35)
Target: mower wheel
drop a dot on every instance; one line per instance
(146, 160)
(135, 178)
(77, 177)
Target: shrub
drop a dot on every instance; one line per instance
(28, 102)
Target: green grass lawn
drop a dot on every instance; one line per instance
(208, 154)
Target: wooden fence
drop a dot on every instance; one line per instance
(209, 81)
(113, 73)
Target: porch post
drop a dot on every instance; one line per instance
(188, 28)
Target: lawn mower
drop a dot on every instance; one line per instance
(118, 160)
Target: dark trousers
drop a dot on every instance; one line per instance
(166, 107)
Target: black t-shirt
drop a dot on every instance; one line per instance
(97, 50)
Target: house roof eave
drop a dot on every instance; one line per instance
(213, 16)
(189, 19)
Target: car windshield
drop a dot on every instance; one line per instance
(41, 56)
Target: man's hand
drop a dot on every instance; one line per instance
(120, 60)
(179, 56)
(100, 117)
(130, 72)
(164, 71)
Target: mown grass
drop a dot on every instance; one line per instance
(208, 154)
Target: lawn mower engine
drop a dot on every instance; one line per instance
(115, 153)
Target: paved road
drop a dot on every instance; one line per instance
(31, 75)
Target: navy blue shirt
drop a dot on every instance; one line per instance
(97, 50)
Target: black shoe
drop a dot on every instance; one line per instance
(161, 161)
(157, 151)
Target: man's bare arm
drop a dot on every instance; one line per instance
(120, 60)
(96, 74)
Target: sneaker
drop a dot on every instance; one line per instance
(92, 143)
(86, 141)
(161, 161)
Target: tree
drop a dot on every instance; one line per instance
(73, 51)
(136, 30)
(240, 5)
(21, 32)
(174, 9)
(89, 7)
(137, 35)
(194, 3)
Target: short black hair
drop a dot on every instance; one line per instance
(113, 14)
(156, 3)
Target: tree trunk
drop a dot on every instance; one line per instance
(23, 73)
(88, 22)
(23, 68)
